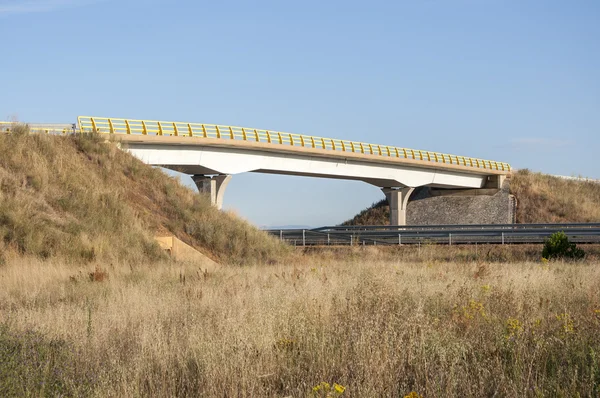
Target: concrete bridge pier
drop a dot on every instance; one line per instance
(397, 199)
(213, 186)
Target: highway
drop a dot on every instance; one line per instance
(436, 234)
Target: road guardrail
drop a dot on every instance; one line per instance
(438, 234)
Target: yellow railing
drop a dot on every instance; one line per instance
(181, 129)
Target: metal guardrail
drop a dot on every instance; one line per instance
(445, 234)
(47, 128)
(474, 227)
(181, 129)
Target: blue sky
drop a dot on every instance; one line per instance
(514, 81)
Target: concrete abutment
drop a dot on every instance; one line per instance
(492, 204)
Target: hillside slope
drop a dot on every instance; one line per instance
(540, 198)
(543, 198)
(80, 198)
(376, 214)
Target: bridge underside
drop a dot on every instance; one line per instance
(211, 167)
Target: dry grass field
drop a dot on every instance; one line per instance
(377, 328)
(91, 307)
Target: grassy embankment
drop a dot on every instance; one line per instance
(441, 321)
(541, 199)
(81, 199)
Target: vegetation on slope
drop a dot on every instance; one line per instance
(79, 198)
(541, 198)
(377, 214)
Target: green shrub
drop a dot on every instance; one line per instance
(558, 246)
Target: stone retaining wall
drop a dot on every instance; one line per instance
(427, 207)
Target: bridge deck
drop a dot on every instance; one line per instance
(179, 133)
(313, 152)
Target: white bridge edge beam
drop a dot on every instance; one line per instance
(209, 160)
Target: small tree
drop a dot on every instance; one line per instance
(558, 246)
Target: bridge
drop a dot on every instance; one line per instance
(211, 154)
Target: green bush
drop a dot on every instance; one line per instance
(558, 246)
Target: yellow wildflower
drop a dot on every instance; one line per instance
(339, 388)
(514, 328)
(567, 323)
(474, 308)
(325, 390)
(285, 344)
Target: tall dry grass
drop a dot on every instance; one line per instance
(546, 199)
(376, 214)
(381, 329)
(83, 199)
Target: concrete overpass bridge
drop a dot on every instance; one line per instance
(211, 154)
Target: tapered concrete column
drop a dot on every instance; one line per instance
(213, 186)
(397, 199)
